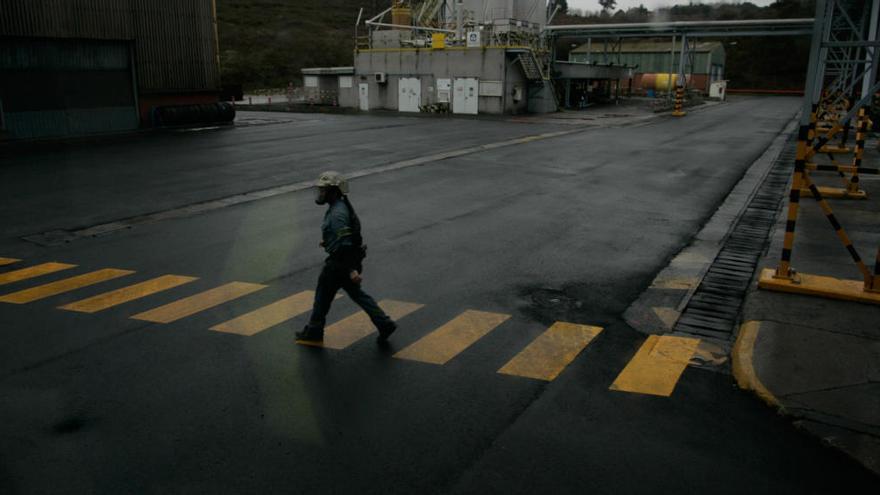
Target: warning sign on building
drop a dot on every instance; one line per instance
(473, 39)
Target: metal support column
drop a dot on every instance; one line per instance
(829, 77)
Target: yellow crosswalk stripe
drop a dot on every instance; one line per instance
(62, 286)
(449, 340)
(33, 271)
(200, 302)
(268, 316)
(551, 352)
(8, 261)
(357, 326)
(657, 366)
(127, 294)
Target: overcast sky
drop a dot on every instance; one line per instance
(650, 4)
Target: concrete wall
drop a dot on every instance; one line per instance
(429, 65)
(515, 79)
(348, 97)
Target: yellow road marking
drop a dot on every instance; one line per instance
(743, 364)
(357, 326)
(551, 352)
(657, 366)
(33, 271)
(126, 294)
(200, 302)
(62, 286)
(268, 316)
(449, 340)
(8, 261)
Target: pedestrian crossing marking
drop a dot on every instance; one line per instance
(127, 294)
(551, 352)
(357, 326)
(62, 286)
(657, 366)
(268, 316)
(446, 342)
(197, 303)
(33, 271)
(8, 261)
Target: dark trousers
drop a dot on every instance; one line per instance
(335, 276)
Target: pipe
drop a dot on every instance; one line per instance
(682, 24)
(381, 14)
(553, 15)
(459, 29)
(416, 28)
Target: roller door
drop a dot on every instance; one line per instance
(55, 88)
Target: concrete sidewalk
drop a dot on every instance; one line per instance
(818, 360)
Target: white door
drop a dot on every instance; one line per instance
(410, 92)
(465, 98)
(364, 96)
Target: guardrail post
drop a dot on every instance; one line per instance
(679, 101)
(861, 132)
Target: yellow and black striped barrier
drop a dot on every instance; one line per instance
(784, 278)
(841, 233)
(805, 133)
(850, 189)
(843, 169)
(875, 281)
(679, 103)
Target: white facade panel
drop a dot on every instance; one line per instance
(409, 94)
(364, 97)
(491, 88)
(465, 98)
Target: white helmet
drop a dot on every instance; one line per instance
(333, 179)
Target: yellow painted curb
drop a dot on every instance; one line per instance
(743, 368)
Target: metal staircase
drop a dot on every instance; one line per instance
(531, 66)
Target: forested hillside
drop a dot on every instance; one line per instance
(265, 43)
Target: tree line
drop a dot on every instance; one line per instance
(265, 43)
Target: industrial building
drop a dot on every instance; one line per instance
(458, 56)
(653, 58)
(79, 67)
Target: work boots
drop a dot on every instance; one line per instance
(386, 332)
(309, 334)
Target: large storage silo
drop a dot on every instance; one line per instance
(488, 11)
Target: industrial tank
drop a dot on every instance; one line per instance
(661, 82)
(486, 11)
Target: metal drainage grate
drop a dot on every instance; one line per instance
(713, 310)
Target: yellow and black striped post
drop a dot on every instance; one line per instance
(861, 132)
(805, 134)
(679, 102)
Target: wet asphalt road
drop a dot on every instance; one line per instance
(103, 403)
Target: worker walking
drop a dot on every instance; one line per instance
(343, 267)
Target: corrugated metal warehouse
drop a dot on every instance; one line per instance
(74, 67)
(655, 57)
